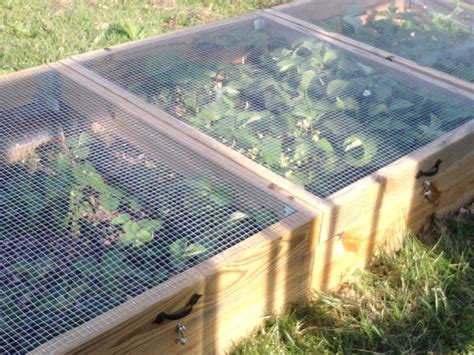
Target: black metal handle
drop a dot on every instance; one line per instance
(160, 318)
(434, 170)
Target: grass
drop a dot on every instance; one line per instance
(420, 299)
(34, 32)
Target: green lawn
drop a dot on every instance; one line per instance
(34, 32)
(420, 299)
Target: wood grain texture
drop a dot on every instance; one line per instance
(239, 287)
(374, 213)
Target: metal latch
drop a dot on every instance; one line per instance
(430, 192)
(180, 330)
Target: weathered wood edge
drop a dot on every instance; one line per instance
(409, 64)
(88, 331)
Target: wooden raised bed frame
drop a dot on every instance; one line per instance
(285, 262)
(367, 213)
(336, 7)
(246, 282)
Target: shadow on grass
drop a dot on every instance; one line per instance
(418, 300)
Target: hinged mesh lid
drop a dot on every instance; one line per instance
(433, 33)
(318, 115)
(96, 207)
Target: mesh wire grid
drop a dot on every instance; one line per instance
(96, 208)
(320, 116)
(433, 33)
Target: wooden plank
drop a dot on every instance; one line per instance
(408, 64)
(239, 286)
(368, 217)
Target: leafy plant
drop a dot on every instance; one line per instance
(305, 109)
(427, 36)
(181, 251)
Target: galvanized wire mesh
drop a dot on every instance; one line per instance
(433, 33)
(318, 115)
(96, 207)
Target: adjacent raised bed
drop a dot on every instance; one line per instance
(106, 221)
(434, 34)
(316, 117)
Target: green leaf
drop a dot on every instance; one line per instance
(368, 146)
(400, 104)
(306, 79)
(302, 149)
(329, 56)
(238, 216)
(336, 87)
(222, 195)
(77, 142)
(109, 202)
(365, 68)
(382, 93)
(264, 216)
(355, 22)
(325, 145)
(143, 237)
(131, 227)
(286, 64)
(380, 108)
(194, 249)
(296, 178)
(82, 153)
(121, 219)
(245, 139)
(231, 91)
(347, 104)
(177, 249)
(151, 225)
(34, 270)
(270, 150)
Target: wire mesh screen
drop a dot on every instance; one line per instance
(96, 207)
(313, 113)
(433, 33)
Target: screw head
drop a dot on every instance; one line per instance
(181, 341)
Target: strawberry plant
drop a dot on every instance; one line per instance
(427, 36)
(305, 109)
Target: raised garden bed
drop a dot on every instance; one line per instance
(323, 121)
(104, 217)
(437, 34)
(201, 147)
